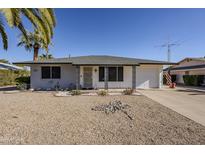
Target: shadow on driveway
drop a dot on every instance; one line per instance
(191, 92)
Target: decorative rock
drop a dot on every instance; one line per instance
(62, 94)
(31, 89)
(112, 107)
(136, 94)
(114, 94)
(90, 94)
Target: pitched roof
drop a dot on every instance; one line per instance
(192, 59)
(96, 60)
(186, 67)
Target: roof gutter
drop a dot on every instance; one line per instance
(33, 63)
(158, 63)
(106, 65)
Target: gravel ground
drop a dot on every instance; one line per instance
(41, 118)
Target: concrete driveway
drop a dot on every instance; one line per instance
(186, 101)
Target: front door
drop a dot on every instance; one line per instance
(87, 77)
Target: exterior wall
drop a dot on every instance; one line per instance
(149, 76)
(68, 76)
(179, 78)
(126, 83)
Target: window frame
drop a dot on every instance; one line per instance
(118, 79)
(42, 72)
(117, 74)
(103, 78)
(51, 72)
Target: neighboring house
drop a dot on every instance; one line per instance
(5, 66)
(7, 73)
(188, 66)
(96, 72)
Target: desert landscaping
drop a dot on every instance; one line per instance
(42, 118)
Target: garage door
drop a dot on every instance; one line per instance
(147, 77)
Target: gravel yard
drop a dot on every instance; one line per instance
(41, 118)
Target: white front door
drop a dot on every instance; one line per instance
(87, 77)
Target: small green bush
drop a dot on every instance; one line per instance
(128, 91)
(23, 82)
(102, 93)
(193, 80)
(75, 92)
(23, 79)
(22, 86)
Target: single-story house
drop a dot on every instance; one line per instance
(187, 66)
(96, 72)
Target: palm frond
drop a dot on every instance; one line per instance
(3, 35)
(52, 15)
(49, 15)
(12, 16)
(22, 29)
(42, 19)
(32, 15)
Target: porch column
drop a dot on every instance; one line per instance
(106, 77)
(77, 77)
(133, 77)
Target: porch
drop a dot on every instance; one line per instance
(105, 77)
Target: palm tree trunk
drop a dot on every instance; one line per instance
(35, 54)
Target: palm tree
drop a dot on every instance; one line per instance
(43, 20)
(45, 56)
(34, 41)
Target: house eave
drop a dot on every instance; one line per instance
(158, 63)
(106, 65)
(33, 63)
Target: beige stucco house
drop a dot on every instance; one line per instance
(188, 66)
(95, 72)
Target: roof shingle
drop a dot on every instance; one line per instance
(96, 60)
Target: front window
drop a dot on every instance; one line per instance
(56, 72)
(48, 72)
(114, 74)
(101, 74)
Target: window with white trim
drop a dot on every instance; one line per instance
(50, 72)
(114, 74)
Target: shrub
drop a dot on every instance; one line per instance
(193, 80)
(23, 82)
(22, 86)
(23, 79)
(75, 92)
(102, 93)
(128, 91)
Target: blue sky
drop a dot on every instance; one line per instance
(121, 32)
